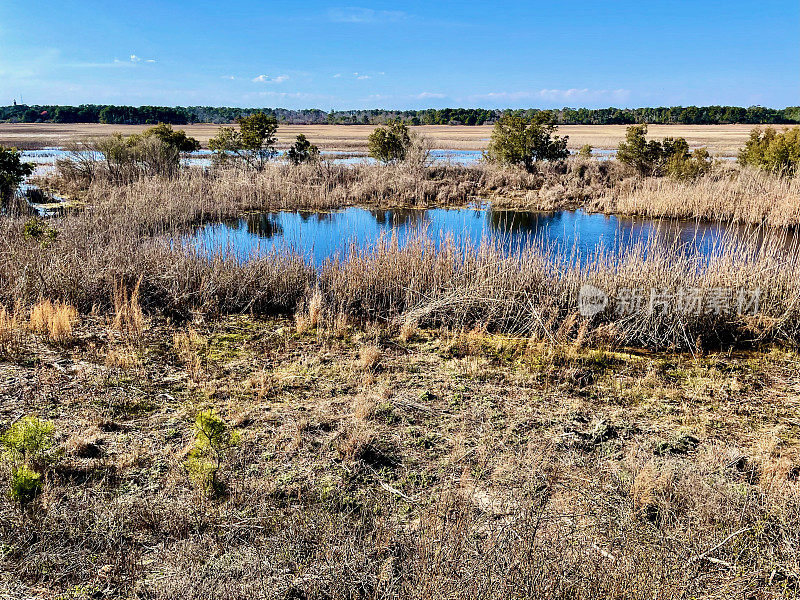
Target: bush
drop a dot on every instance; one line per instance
(12, 172)
(302, 151)
(213, 438)
(390, 143)
(517, 140)
(30, 442)
(38, 230)
(25, 484)
(178, 139)
(253, 144)
(656, 159)
(772, 151)
(130, 158)
(585, 151)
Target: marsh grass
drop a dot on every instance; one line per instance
(733, 195)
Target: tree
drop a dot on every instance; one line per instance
(12, 171)
(519, 140)
(389, 143)
(302, 151)
(253, 144)
(668, 157)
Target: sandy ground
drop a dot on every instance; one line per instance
(722, 140)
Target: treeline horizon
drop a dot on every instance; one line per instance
(178, 115)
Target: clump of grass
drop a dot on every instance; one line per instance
(745, 195)
(369, 357)
(11, 330)
(408, 330)
(190, 347)
(55, 320)
(128, 315)
(308, 318)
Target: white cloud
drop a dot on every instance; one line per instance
(135, 59)
(150, 60)
(425, 95)
(230, 77)
(268, 79)
(337, 75)
(358, 14)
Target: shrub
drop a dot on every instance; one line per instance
(517, 140)
(25, 484)
(30, 442)
(302, 151)
(772, 151)
(390, 143)
(213, 438)
(38, 230)
(129, 158)
(12, 172)
(177, 139)
(656, 159)
(253, 144)
(585, 151)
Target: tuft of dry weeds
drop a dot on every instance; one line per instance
(55, 320)
(128, 315)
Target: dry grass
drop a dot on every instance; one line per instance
(720, 139)
(735, 195)
(128, 315)
(55, 320)
(369, 357)
(513, 480)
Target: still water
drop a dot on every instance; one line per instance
(578, 234)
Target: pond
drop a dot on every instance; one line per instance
(577, 234)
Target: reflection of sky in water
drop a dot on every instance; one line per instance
(318, 236)
(45, 158)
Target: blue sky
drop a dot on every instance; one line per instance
(401, 55)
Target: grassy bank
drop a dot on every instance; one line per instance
(416, 464)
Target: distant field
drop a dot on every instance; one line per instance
(721, 140)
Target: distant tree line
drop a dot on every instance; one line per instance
(151, 115)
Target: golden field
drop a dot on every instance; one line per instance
(721, 140)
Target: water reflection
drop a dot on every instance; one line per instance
(574, 234)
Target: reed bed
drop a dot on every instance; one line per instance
(532, 291)
(733, 195)
(215, 193)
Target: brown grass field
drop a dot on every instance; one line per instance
(721, 140)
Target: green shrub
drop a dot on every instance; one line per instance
(772, 151)
(517, 140)
(585, 151)
(30, 442)
(302, 151)
(213, 438)
(656, 159)
(390, 143)
(12, 171)
(25, 484)
(38, 230)
(177, 139)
